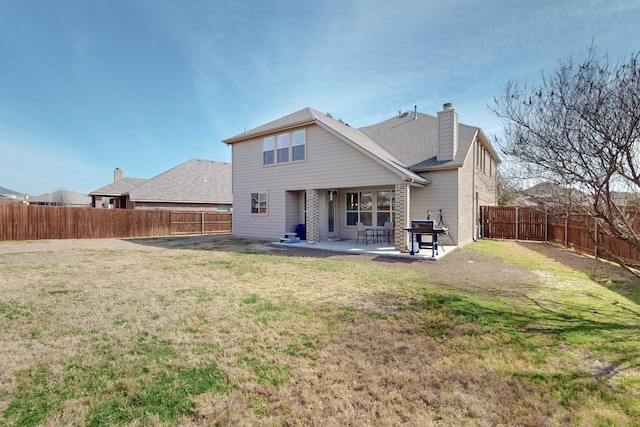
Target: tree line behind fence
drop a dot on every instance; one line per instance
(28, 222)
(574, 230)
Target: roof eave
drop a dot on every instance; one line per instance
(223, 202)
(489, 146)
(108, 194)
(451, 165)
(247, 136)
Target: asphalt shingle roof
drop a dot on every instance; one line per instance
(415, 140)
(118, 188)
(68, 197)
(6, 191)
(195, 181)
(407, 142)
(348, 133)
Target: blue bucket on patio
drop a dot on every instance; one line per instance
(301, 231)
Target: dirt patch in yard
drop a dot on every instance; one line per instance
(467, 266)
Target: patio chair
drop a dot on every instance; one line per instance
(362, 232)
(388, 231)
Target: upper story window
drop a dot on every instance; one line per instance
(284, 147)
(298, 145)
(267, 150)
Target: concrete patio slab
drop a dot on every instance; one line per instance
(383, 249)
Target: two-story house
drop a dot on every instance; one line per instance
(310, 168)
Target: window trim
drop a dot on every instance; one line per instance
(372, 210)
(274, 142)
(260, 197)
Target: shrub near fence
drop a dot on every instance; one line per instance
(578, 231)
(27, 222)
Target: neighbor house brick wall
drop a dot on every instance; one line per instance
(313, 216)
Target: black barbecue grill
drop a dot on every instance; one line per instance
(424, 234)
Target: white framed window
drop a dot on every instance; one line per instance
(284, 148)
(384, 207)
(268, 156)
(259, 203)
(298, 145)
(368, 207)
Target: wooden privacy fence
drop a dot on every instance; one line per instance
(578, 231)
(200, 222)
(27, 222)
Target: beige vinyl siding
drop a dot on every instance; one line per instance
(332, 163)
(329, 163)
(440, 194)
(294, 209)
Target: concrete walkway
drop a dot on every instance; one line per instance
(385, 249)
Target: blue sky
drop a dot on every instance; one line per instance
(87, 85)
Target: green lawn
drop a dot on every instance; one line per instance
(220, 331)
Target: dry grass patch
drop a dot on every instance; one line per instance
(222, 331)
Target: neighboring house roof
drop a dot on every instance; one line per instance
(64, 197)
(194, 181)
(353, 136)
(7, 192)
(549, 193)
(118, 188)
(625, 198)
(10, 196)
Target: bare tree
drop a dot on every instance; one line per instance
(61, 197)
(509, 187)
(580, 128)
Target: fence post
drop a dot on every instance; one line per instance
(517, 217)
(566, 230)
(482, 228)
(202, 222)
(546, 224)
(595, 249)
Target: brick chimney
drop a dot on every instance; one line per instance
(447, 133)
(117, 174)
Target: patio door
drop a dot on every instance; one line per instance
(332, 231)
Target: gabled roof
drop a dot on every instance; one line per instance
(6, 191)
(406, 143)
(413, 139)
(194, 181)
(118, 188)
(351, 135)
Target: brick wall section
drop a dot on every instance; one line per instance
(313, 216)
(401, 216)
